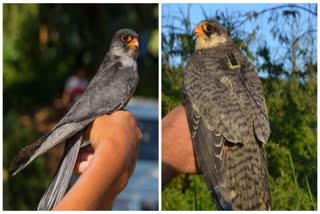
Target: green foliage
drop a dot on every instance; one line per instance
(293, 142)
(187, 192)
(43, 44)
(171, 87)
(21, 192)
(291, 94)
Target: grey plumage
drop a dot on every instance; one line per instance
(60, 181)
(109, 90)
(228, 120)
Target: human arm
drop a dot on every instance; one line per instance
(115, 141)
(177, 150)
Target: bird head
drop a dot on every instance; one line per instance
(209, 34)
(125, 43)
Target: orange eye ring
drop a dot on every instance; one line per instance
(126, 38)
(208, 28)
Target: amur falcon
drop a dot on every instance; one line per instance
(228, 120)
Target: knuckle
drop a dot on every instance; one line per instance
(127, 113)
(124, 182)
(140, 135)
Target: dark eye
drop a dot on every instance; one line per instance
(208, 28)
(125, 38)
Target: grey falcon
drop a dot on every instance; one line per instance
(108, 91)
(228, 120)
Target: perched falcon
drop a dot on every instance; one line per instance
(228, 120)
(109, 90)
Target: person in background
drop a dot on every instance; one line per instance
(74, 87)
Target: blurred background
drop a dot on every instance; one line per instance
(281, 41)
(50, 52)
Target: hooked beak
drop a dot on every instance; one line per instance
(197, 31)
(134, 44)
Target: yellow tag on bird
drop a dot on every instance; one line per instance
(232, 62)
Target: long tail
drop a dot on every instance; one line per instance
(56, 136)
(236, 174)
(25, 154)
(61, 178)
(247, 176)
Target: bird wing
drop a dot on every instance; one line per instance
(108, 91)
(223, 100)
(45, 143)
(229, 95)
(61, 178)
(210, 155)
(252, 83)
(217, 95)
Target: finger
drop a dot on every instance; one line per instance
(133, 162)
(135, 123)
(134, 159)
(121, 113)
(81, 166)
(84, 158)
(131, 170)
(140, 135)
(85, 152)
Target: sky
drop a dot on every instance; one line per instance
(264, 34)
(196, 11)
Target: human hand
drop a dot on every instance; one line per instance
(97, 132)
(124, 133)
(177, 150)
(106, 165)
(84, 158)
